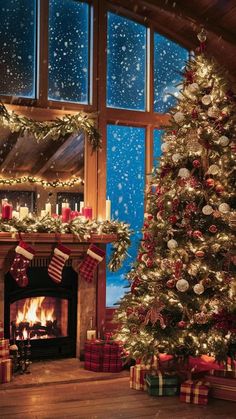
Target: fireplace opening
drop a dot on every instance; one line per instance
(44, 312)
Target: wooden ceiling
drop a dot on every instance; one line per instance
(50, 160)
(181, 20)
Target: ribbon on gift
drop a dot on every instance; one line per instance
(160, 377)
(195, 389)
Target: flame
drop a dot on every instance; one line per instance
(33, 312)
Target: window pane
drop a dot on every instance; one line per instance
(68, 51)
(17, 44)
(169, 61)
(126, 63)
(125, 188)
(157, 134)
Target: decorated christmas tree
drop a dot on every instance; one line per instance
(182, 299)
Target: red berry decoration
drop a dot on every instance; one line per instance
(196, 163)
(212, 228)
(129, 311)
(219, 188)
(210, 183)
(170, 283)
(182, 324)
(197, 234)
(173, 219)
(199, 254)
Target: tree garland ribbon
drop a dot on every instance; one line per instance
(52, 129)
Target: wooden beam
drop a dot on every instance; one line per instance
(58, 153)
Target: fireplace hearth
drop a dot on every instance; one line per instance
(44, 312)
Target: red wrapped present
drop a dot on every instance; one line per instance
(93, 355)
(112, 357)
(5, 370)
(4, 348)
(1, 331)
(194, 392)
(222, 387)
(138, 376)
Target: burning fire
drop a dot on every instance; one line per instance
(33, 312)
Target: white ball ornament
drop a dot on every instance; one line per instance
(224, 208)
(206, 100)
(165, 147)
(207, 210)
(179, 117)
(198, 289)
(213, 112)
(182, 285)
(176, 157)
(193, 88)
(223, 141)
(184, 173)
(213, 169)
(172, 244)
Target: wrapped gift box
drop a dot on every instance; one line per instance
(222, 387)
(162, 384)
(1, 331)
(93, 355)
(194, 392)
(137, 376)
(103, 356)
(4, 348)
(223, 373)
(5, 370)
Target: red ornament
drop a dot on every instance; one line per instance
(212, 228)
(199, 254)
(196, 163)
(135, 284)
(129, 311)
(182, 324)
(219, 188)
(210, 183)
(194, 113)
(170, 283)
(173, 219)
(175, 204)
(197, 234)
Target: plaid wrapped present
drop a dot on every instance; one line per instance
(222, 387)
(195, 392)
(224, 373)
(162, 384)
(5, 370)
(93, 355)
(137, 376)
(4, 348)
(112, 357)
(1, 331)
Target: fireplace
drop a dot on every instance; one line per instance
(44, 312)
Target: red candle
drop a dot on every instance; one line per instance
(88, 212)
(7, 211)
(66, 214)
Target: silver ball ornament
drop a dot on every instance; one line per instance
(182, 285)
(198, 289)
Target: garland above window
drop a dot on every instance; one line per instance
(69, 183)
(51, 129)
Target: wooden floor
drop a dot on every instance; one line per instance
(105, 399)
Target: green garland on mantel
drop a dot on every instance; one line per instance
(51, 129)
(81, 227)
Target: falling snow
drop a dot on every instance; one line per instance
(68, 51)
(17, 41)
(126, 58)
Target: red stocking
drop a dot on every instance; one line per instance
(18, 270)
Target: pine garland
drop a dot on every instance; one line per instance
(81, 227)
(51, 129)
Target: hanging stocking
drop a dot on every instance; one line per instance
(87, 267)
(24, 254)
(60, 255)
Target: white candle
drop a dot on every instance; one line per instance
(43, 213)
(81, 205)
(48, 208)
(91, 334)
(57, 209)
(108, 209)
(24, 211)
(16, 214)
(76, 206)
(65, 205)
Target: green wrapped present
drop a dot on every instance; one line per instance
(162, 384)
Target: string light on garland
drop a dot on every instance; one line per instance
(46, 184)
(56, 129)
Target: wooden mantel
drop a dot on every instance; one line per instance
(91, 296)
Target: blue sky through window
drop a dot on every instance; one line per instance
(157, 134)
(125, 188)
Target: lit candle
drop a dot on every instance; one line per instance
(48, 208)
(65, 205)
(81, 206)
(66, 214)
(57, 209)
(88, 212)
(7, 211)
(76, 206)
(24, 211)
(43, 213)
(108, 209)
(91, 334)
(15, 214)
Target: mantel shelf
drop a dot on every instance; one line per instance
(54, 237)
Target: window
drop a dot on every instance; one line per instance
(18, 51)
(69, 49)
(169, 61)
(125, 188)
(157, 134)
(20, 198)
(126, 63)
